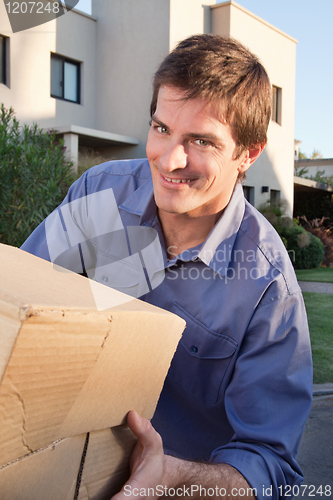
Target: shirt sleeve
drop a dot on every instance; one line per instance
(269, 397)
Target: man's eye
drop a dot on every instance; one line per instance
(202, 142)
(161, 129)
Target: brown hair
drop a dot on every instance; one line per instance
(220, 69)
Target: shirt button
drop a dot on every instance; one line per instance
(194, 348)
(105, 279)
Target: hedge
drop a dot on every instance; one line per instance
(34, 177)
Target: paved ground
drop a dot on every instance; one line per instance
(316, 450)
(312, 286)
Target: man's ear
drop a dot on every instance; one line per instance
(250, 156)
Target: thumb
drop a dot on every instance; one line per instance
(143, 430)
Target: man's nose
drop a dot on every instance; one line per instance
(174, 157)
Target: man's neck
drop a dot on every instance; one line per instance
(182, 232)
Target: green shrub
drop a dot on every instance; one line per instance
(324, 232)
(305, 250)
(34, 177)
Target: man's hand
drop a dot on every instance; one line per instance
(147, 459)
(150, 468)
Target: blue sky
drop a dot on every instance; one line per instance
(311, 24)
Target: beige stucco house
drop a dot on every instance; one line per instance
(90, 77)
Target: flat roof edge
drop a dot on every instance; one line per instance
(85, 14)
(240, 7)
(313, 162)
(96, 134)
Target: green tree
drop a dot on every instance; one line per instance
(301, 171)
(316, 154)
(34, 177)
(301, 155)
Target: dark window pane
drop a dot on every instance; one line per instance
(56, 77)
(275, 197)
(276, 104)
(2, 60)
(249, 193)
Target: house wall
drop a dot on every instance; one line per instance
(188, 17)
(72, 35)
(76, 39)
(132, 39)
(277, 52)
(326, 169)
(28, 89)
(324, 165)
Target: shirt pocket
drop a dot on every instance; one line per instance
(203, 358)
(126, 275)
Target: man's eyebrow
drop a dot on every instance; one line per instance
(156, 120)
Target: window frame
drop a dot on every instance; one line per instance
(64, 60)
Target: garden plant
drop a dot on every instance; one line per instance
(34, 176)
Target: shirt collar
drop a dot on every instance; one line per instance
(216, 250)
(141, 202)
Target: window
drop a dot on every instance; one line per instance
(65, 79)
(276, 104)
(249, 194)
(3, 49)
(275, 197)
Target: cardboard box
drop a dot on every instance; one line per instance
(66, 370)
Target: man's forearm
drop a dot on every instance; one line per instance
(155, 475)
(199, 480)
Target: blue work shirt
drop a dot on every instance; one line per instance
(240, 384)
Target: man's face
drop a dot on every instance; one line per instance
(190, 152)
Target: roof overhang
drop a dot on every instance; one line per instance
(89, 137)
(311, 186)
(316, 162)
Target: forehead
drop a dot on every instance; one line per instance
(172, 98)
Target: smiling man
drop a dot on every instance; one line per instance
(191, 150)
(238, 392)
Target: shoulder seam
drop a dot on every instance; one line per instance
(274, 265)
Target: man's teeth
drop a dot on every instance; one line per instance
(177, 181)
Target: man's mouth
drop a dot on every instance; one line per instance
(177, 181)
